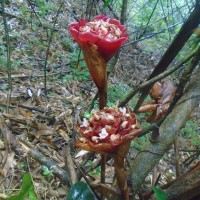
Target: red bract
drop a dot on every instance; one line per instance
(107, 34)
(107, 130)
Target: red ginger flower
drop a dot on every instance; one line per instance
(107, 34)
(99, 39)
(108, 130)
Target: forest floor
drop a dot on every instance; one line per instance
(32, 121)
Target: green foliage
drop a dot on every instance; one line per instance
(106, 3)
(3, 59)
(80, 191)
(96, 171)
(27, 189)
(116, 92)
(47, 172)
(66, 45)
(78, 72)
(87, 115)
(191, 131)
(139, 142)
(160, 194)
(45, 7)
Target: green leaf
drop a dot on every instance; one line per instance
(110, 104)
(160, 194)
(106, 3)
(87, 115)
(27, 189)
(46, 172)
(80, 191)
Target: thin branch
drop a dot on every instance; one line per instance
(43, 160)
(135, 90)
(184, 79)
(149, 19)
(152, 34)
(69, 164)
(48, 47)
(112, 11)
(178, 43)
(8, 63)
(124, 11)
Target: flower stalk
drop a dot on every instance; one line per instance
(99, 40)
(109, 132)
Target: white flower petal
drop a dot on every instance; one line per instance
(103, 133)
(85, 123)
(29, 92)
(122, 110)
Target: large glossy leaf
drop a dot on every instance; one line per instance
(80, 191)
(27, 189)
(160, 194)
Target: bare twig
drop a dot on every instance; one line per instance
(39, 157)
(149, 19)
(69, 164)
(48, 48)
(110, 8)
(8, 63)
(124, 11)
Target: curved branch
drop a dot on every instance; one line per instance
(145, 162)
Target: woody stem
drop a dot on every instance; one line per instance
(121, 176)
(102, 98)
(102, 104)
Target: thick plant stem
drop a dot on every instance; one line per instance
(103, 168)
(121, 176)
(102, 99)
(102, 104)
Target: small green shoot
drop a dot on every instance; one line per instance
(87, 115)
(47, 172)
(96, 171)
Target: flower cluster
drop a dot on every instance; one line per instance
(107, 129)
(103, 29)
(107, 34)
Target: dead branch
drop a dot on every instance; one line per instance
(177, 156)
(29, 149)
(24, 147)
(69, 164)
